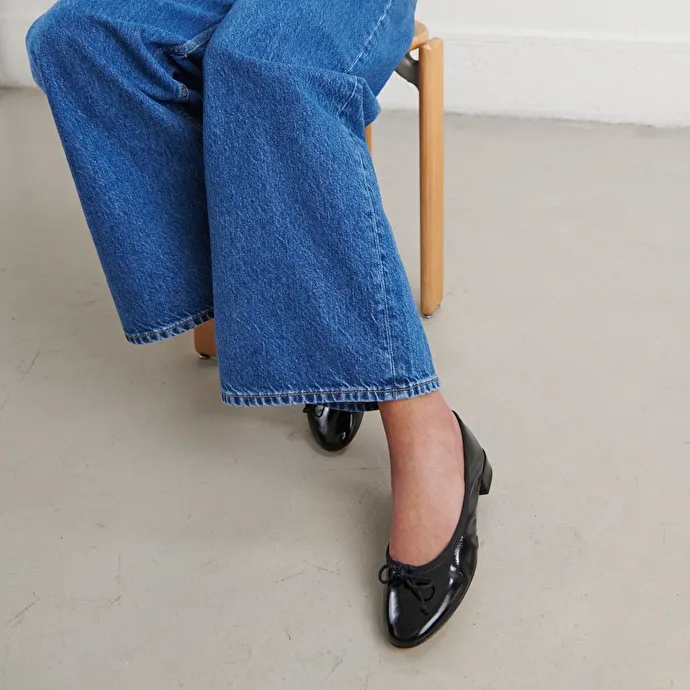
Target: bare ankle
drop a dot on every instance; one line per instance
(414, 425)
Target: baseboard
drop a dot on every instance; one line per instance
(577, 77)
(599, 78)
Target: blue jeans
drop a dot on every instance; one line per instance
(218, 150)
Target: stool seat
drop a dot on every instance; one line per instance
(421, 35)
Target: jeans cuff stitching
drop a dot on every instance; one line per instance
(204, 315)
(374, 391)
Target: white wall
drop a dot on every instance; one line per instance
(609, 60)
(16, 17)
(664, 18)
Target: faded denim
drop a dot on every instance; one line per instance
(218, 151)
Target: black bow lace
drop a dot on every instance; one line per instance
(421, 587)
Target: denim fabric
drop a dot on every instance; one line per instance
(218, 150)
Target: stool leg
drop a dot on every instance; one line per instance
(205, 340)
(431, 173)
(369, 132)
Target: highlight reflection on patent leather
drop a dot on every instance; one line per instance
(333, 429)
(419, 600)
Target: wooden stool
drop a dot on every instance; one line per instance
(426, 73)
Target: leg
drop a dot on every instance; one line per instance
(438, 471)
(205, 339)
(123, 82)
(431, 173)
(312, 302)
(427, 476)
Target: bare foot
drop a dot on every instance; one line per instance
(427, 476)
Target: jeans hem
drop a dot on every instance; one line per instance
(177, 328)
(362, 400)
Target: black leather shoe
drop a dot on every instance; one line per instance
(419, 600)
(333, 429)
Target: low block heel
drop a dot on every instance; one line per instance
(487, 478)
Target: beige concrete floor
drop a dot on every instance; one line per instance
(151, 538)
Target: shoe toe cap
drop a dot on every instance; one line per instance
(408, 623)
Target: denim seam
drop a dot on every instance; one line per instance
(353, 391)
(188, 47)
(179, 109)
(185, 49)
(203, 315)
(375, 225)
(367, 43)
(349, 98)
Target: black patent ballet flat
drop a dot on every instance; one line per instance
(419, 600)
(333, 429)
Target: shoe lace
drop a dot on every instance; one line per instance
(421, 587)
